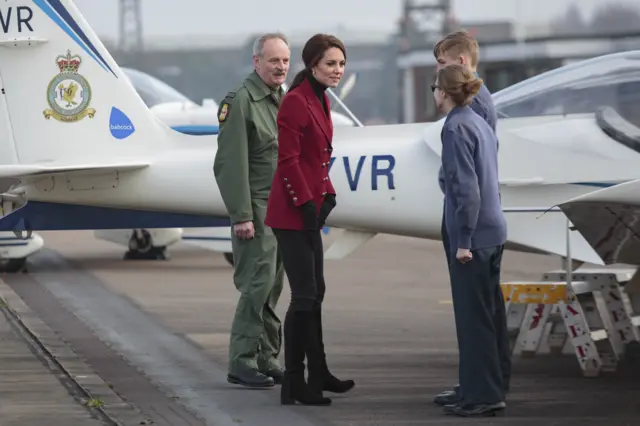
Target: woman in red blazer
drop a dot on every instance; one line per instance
(300, 201)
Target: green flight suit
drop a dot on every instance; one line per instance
(244, 166)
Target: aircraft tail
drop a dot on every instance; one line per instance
(60, 84)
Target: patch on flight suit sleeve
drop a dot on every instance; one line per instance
(223, 112)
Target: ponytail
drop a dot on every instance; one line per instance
(459, 83)
(472, 87)
(299, 78)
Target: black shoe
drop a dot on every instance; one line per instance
(447, 398)
(300, 340)
(475, 410)
(324, 380)
(250, 379)
(331, 383)
(294, 388)
(275, 373)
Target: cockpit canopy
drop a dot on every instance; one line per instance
(588, 86)
(153, 91)
(607, 86)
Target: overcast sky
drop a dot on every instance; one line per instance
(171, 17)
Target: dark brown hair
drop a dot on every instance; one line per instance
(459, 83)
(313, 51)
(458, 43)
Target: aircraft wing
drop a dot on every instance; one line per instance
(609, 219)
(26, 170)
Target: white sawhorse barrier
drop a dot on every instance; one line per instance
(588, 314)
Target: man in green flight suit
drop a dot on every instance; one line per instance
(244, 166)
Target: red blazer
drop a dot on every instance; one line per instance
(305, 132)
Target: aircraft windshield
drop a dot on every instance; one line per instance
(583, 87)
(153, 91)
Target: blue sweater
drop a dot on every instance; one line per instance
(473, 212)
(482, 104)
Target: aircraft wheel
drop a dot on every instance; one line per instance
(229, 257)
(140, 241)
(141, 247)
(12, 266)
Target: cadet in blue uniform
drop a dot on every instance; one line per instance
(476, 229)
(462, 49)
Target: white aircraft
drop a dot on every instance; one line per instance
(183, 115)
(89, 154)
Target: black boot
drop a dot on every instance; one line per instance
(323, 379)
(297, 326)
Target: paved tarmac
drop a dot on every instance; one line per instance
(33, 390)
(157, 333)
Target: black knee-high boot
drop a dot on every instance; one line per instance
(299, 339)
(324, 380)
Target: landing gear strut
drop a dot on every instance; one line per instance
(141, 247)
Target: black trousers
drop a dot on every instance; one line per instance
(481, 326)
(303, 260)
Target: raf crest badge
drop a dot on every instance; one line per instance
(69, 93)
(224, 111)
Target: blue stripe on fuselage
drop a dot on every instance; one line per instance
(41, 216)
(197, 130)
(596, 184)
(66, 22)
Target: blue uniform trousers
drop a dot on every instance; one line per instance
(481, 324)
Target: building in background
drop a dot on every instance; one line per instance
(503, 63)
(510, 53)
(395, 71)
(208, 67)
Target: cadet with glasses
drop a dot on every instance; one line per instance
(477, 231)
(460, 48)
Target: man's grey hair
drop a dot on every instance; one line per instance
(258, 45)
